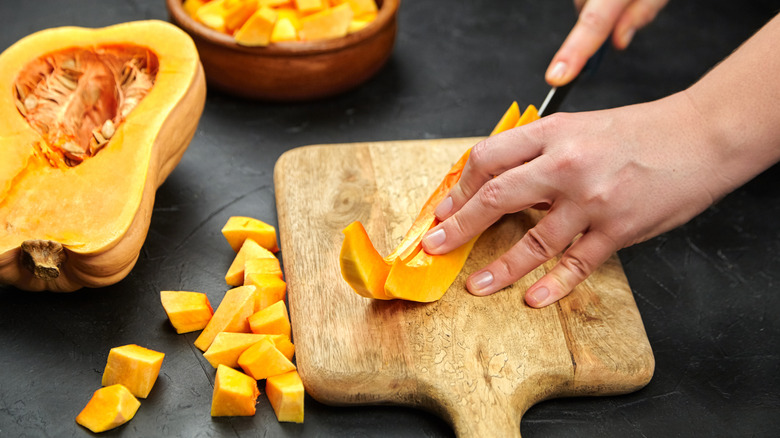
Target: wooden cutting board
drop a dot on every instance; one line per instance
(479, 362)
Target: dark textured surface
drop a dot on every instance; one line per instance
(708, 291)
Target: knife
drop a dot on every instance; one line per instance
(556, 94)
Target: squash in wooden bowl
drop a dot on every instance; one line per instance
(292, 70)
(92, 121)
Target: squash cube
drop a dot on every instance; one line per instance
(228, 346)
(263, 360)
(187, 311)
(329, 23)
(212, 14)
(237, 13)
(235, 393)
(109, 407)
(249, 250)
(362, 7)
(310, 6)
(133, 366)
(270, 289)
(359, 23)
(269, 266)
(292, 14)
(231, 315)
(274, 3)
(284, 345)
(191, 6)
(286, 394)
(273, 320)
(239, 228)
(256, 32)
(284, 30)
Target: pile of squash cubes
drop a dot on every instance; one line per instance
(260, 22)
(247, 339)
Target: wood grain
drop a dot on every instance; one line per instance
(479, 362)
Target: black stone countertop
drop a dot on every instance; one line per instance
(708, 292)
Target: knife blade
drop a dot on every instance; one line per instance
(556, 95)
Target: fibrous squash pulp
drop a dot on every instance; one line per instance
(92, 121)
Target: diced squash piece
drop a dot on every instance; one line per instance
(133, 366)
(231, 315)
(360, 7)
(249, 250)
(239, 228)
(291, 14)
(256, 32)
(273, 320)
(212, 14)
(284, 345)
(263, 360)
(330, 23)
(270, 289)
(284, 30)
(237, 12)
(359, 23)
(275, 3)
(266, 266)
(310, 6)
(191, 6)
(286, 394)
(109, 407)
(235, 393)
(228, 346)
(187, 311)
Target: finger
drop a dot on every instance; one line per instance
(583, 257)
(594, 25)
(488, 158)
(636, 16)
(551, 235)
(512, 191)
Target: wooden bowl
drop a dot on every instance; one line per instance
(292, 71)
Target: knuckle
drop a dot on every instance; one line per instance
(595, 21)
(480, 152)
(507, 269)
(578, 266)
(491, 196)
(538, 245)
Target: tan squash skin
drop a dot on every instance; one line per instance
(99, 211)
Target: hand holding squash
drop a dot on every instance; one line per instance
(617, 177)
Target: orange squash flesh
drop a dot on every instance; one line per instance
(235, 393)
(408, 272)
(61, 228)
(109, 407)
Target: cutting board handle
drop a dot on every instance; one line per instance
(493, 422)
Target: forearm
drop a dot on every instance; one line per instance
(739, 104)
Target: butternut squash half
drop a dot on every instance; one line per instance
(92, 121)
(408, 272)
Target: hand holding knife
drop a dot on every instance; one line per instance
(556, 94)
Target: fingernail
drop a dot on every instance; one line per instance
(538, 296)
(444, 207)
(481, 281)
(434, 239)
(628, 36)
(558, 70)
